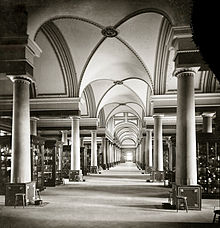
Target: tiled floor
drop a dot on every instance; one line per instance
(119, 197)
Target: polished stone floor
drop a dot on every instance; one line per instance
(119, 197)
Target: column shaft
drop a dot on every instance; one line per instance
(148, 150)
(207, 123)
(75, 147)
(64, 137)
(21, 158)
(186, 170)
(158, 143)
(33, 126)
(93, 149)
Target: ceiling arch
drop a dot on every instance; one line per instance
(127, 125)
(121, 95)
(176, 13)
(128, 141)
(121, 109)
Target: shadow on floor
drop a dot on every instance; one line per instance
(125, 190)
(37, 223)
(144, 206)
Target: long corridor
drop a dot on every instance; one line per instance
(119, 197)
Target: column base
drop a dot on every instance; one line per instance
(148, 170)
(94, 169)
(157, 176)
(192, 192)
(75, 176)
(29, 189)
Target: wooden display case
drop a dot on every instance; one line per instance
(51, 174)
(37, 161)
(5, 162)
(66, 161)
(208, 164)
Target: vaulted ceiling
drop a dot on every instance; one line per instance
(113, 56)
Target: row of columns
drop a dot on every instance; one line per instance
(186, 166)
(186, 147)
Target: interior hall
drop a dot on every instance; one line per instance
(109, 114)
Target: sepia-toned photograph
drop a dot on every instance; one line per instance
(109, 114)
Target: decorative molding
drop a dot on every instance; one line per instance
(178, 72)
(162, 58)
(61, 49)
(90, 101)
(109, 31)
(201, 100)
(118, 82)
(21, 79)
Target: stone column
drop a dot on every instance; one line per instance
(64, 139)
(140, 153)
(82, 142)
(158, 143)
(170, 156)
(94, 167)
(158, 174)
(207, 122)
(60, 152)
(75, 171)
(148, 151)
(108, 154)
(186, 170)
(33, 126)
(114, 154)
(136, 154)
(104, 152)
(21, 157)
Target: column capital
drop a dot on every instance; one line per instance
(21, 78)
(64, 131)
(208, 114)
(149, 130)
(191, 71)
(93, 131)
(75, 117)
(158, 115)
(33, 118)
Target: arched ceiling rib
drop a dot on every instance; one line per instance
(50, 81)
(141, 32)
(121, 109)
(115, 61)
(119, 94)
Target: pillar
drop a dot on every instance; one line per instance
(60, 152)
(140, 153)
(136, 154)
(21, 157)
(158, 174)
(114, 154)
(75, 172)
(104, 152)
(170, 155)
(186, 170)
(207, 122)
(108, 154)
(148, 151)
(94, 167)
(33, 126)
(158, 143)
(64, 138)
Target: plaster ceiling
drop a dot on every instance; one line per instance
(111, 74)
